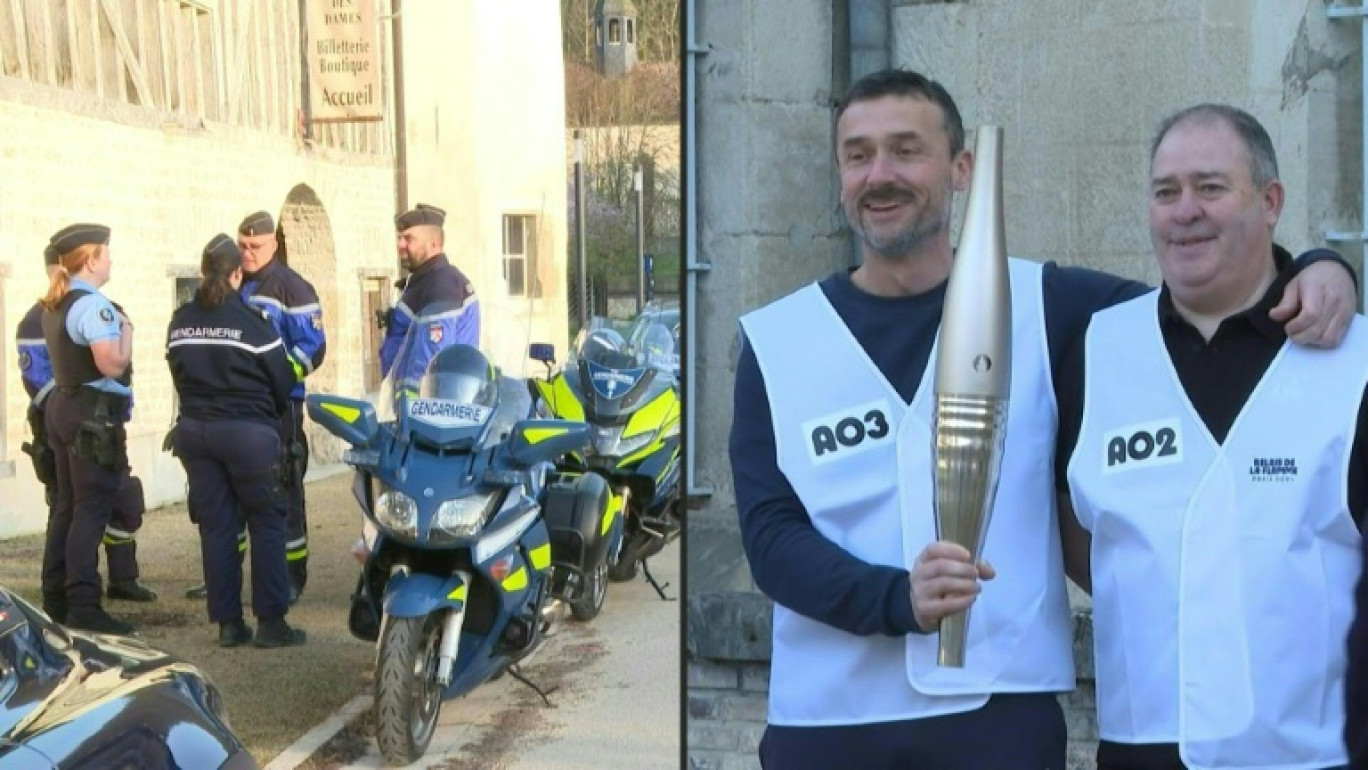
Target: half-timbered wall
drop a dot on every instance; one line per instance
(231, 61)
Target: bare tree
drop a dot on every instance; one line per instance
(627, 122)
(658, 22)
(577, 31)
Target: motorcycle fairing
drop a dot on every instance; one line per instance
(416, 594)
(613, 383)
(564, 401)
(447, 424)
(661, 416)
(661, 467)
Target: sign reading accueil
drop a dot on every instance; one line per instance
(344, 61)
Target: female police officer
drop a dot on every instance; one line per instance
(91, 348)
(233, 377)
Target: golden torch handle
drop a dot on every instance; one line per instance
(973, 375)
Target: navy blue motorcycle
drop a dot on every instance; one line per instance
(478, 545)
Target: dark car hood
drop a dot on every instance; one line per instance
(103, 701)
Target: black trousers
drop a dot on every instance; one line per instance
(83, 501)
(120, 538)
(1010, 732)
(1144, 756)
(296, 523)
(232, 469)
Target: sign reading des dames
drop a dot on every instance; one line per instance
(344, 61)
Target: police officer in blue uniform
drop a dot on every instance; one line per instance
(90, 343)
(234, 379)
(436, 295)
(120, 543)
(292, 305)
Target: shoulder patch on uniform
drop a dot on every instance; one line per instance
(107, 315)
(316, 322)
(25, 360)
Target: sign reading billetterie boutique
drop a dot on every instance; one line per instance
(344, 61)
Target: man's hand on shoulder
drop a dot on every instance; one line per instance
(1318, 304)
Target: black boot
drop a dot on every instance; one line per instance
(275, 632)
(200, 591)
(130, 591)
(95, 619)
(234, 633)
(55, 609)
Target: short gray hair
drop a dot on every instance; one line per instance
(1263, 161)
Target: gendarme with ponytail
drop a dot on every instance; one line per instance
(77, 248)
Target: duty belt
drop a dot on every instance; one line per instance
(116, 403)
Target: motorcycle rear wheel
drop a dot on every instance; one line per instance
(408, 698)
(595, 591)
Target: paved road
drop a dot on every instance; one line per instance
(616, 702)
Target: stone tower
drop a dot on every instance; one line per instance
(615, 37)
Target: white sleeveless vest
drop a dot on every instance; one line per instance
(1223, 575)
(861, 462)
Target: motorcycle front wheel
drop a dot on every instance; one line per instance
(407, 695)
(595, 590)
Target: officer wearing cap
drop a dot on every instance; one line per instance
(90, 344)
(234, 379)
(292, 305)
(120, 544)
(437, 297)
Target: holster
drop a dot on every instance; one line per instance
(44, 459)
(283, 473)
(169, 440)
(97, 439)
(292, 465)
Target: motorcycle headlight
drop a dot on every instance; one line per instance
(463, 516)
(608, 441)
(397, 512)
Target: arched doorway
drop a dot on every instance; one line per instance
(306, 244)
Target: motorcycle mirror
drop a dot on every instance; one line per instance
(351, 420)
(534, 441)
(544, 352)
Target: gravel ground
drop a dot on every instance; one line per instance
(273, 696)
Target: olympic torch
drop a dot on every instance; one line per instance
(973, 372)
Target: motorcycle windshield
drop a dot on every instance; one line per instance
(472, 404)
(515, 403)
(611, 368)
(655, 347)
(599, 335)
(432, 330)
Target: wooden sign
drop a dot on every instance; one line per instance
(344, 62)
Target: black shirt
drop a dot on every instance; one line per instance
(1218, 377)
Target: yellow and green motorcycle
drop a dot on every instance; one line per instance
(629, 395)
